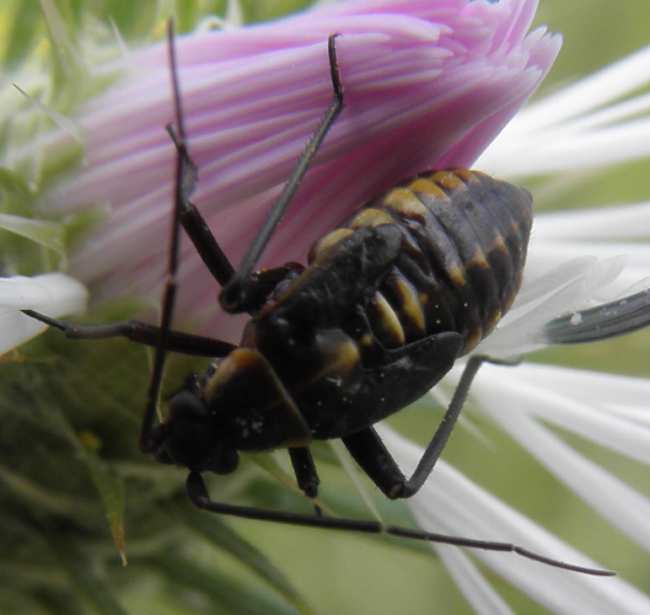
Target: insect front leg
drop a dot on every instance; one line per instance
(191, 219)
(235, 294)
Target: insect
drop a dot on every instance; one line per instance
(387, 303)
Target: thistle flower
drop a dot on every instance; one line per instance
(251, 97)
(438, 81)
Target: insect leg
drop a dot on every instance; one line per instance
(305, 470)
(260, 284)
(234, 295)
(192, 221)
(370, 453)
(149, 436)
(198, 494)
(440, 437)
(141, 333)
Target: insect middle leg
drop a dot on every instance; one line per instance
(141, 333)
(305, 470)
(371, 454)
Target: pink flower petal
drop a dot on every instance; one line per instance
(426, 85)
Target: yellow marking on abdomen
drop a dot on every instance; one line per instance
(478, 260)
(409, 303)
(499, 244)
(465, 174)
(472, 340)
(390, 323)
(331, 239)
(493, 319)
(405, 203)
(370, 217)
(426, 186)
(341, 360)
(447, 179)
(457, 275)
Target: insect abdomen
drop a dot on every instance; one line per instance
(465, 241)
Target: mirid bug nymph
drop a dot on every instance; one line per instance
(386, 304)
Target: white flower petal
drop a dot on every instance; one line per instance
(449, 502)
(548, 295)
(478, 592)
(54, 294)
(621, 505)
(632, 222)
(602, 147)
(603, 86)
(606, 392)
(576, 409)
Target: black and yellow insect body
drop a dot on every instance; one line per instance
(386, 304)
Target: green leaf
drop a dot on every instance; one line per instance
(17, 602)
(110, 488)
(84, 578)
(13, 184)
(42, 498)
(269, 463)
(226, 593)
(213, 529)
(43, 232)
(23, 23)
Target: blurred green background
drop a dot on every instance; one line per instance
(70, 416)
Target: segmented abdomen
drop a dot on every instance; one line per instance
(465, 241)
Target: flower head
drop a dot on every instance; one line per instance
(427, 84)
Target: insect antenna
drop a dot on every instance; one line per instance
(185, 174)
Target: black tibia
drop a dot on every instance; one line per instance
(234, 295)
(199, 496)
(305, 470)
(193, 222)
(370, 453)
(141, 333)
(206, 245)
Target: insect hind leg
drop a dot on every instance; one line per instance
(199, 496)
